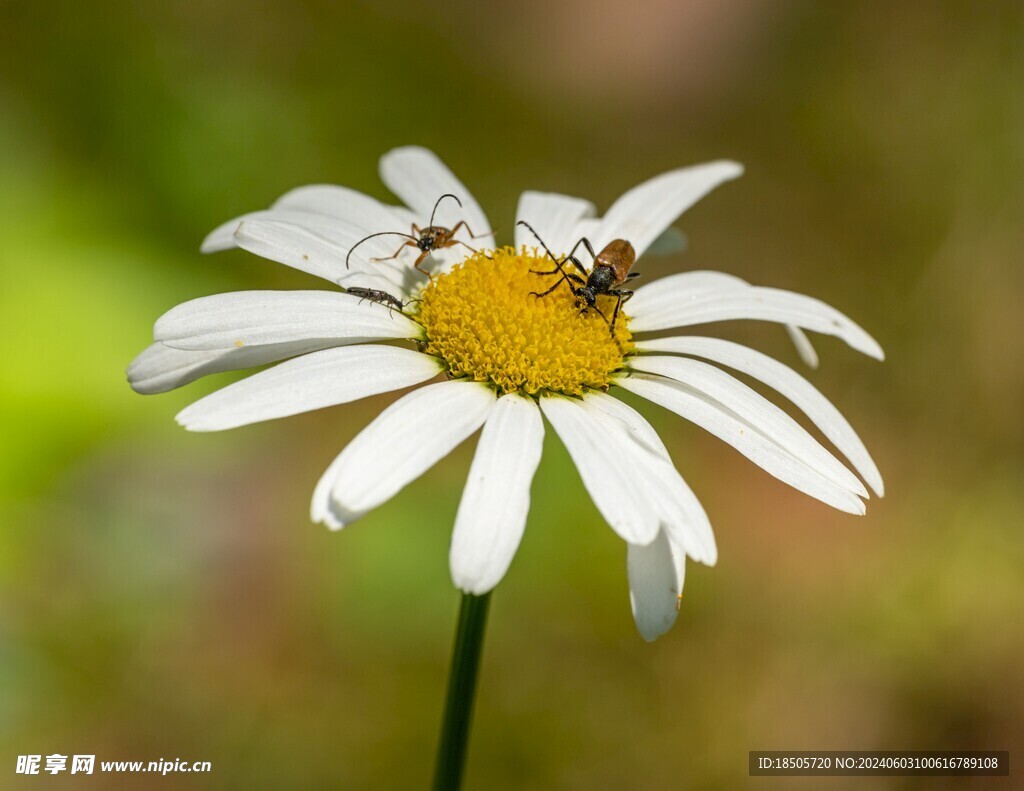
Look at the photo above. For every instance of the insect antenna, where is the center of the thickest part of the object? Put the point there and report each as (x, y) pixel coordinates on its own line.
(371, 236)
(446, 195)
(537, 237)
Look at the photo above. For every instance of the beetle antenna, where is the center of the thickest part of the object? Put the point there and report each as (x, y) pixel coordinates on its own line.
(367, 238)
(537, 237)
(446, 195)
(558, 263)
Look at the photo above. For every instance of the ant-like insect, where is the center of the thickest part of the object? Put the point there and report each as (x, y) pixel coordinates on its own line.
(381, 297)
(426, 240)
(610, 270)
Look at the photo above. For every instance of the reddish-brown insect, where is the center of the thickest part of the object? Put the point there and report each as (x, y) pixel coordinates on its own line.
(426, 240)
(610, 270)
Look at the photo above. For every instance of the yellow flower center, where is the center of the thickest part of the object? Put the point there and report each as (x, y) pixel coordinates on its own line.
(482, 320)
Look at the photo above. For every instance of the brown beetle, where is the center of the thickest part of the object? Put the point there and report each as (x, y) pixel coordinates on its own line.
(610, 270)
(426, 240)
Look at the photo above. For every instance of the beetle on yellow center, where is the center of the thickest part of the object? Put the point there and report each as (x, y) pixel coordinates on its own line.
(610, 270)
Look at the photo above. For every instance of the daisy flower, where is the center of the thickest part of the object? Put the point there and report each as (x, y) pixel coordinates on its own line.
(505, 359)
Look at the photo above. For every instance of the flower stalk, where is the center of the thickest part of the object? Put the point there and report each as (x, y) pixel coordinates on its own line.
(458, 709)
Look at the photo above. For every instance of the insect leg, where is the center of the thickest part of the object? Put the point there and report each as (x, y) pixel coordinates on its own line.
(464, 224)
(597, 310)
(572, 253)
(556, 285)
(454, 242)
(574, 261)
(397, 252)
(371, 236)
(622, 295)
(419, 260)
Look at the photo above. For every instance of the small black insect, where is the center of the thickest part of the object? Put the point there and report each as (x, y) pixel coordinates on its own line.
(375, 295)
(426, 240)
(610, 270)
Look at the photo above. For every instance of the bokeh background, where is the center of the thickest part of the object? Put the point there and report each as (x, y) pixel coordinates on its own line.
(163, 595)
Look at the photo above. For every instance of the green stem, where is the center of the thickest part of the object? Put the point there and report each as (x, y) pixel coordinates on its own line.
(458, 708)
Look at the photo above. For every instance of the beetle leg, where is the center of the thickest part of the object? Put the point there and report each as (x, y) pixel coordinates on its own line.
(557, 268)
(590, 249)
(464, 224)
(623, 295)
(454, 242)
(419, 260)
(596, 309)
(556, 285)
(410, 243)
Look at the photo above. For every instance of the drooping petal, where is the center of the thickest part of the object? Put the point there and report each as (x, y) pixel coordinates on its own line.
(615, 487)
(644, 212)
(553, 217)
(756, 302)
(803, 345)
(684, 518)
(419, 178)
(663, 294)
(313, 381)
(254, 318)
(402, 443)
(496, 500)
(656, 573)
(713, 417)
(160, 368)
(787, 382)
(753, 408)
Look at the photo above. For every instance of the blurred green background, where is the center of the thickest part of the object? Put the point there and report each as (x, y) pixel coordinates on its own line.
(163, 595)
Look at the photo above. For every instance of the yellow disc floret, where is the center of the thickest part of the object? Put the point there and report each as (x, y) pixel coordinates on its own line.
(482, 320)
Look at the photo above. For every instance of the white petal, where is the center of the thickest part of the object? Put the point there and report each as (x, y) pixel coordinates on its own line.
(617, 489)
(160, 368)
(803, 345)
(713, 417)
(331, 229)
(323, 252)
(665, 292)
(656, 573)
(553, 217)
(347, 204)
(380, 281)
(419, 178)
(671, 290)
(683, 516)
(751, 407)
(254, 318)
(670, 242)
(313, 381)
(643, 213)
(322, 200)
(787, 382)
(496, 500)
(402, 443)
(671, 303)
